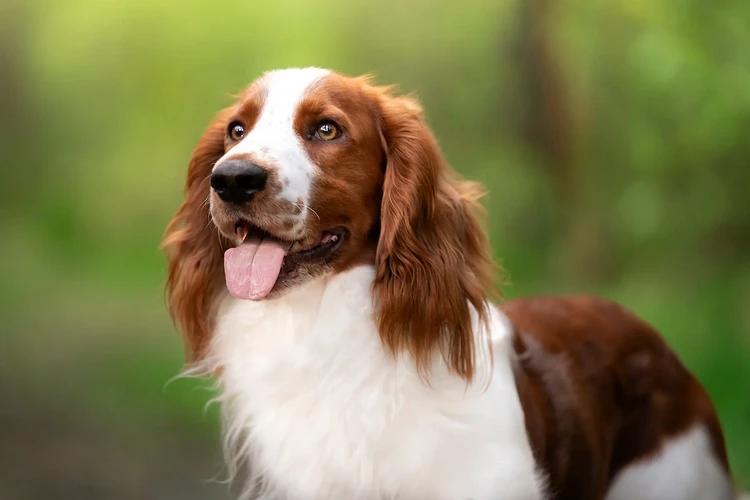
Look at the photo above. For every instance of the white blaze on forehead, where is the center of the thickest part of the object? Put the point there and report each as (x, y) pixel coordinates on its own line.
(273, 141)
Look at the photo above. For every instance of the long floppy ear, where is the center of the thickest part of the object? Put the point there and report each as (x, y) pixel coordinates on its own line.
(193, 246)
(433, 263)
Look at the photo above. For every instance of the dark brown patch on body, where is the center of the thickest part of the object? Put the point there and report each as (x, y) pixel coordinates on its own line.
(600, 390)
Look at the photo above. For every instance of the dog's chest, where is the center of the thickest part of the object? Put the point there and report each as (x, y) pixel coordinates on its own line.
(320, 411)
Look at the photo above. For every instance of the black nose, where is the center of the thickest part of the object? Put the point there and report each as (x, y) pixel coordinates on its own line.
(236, 181)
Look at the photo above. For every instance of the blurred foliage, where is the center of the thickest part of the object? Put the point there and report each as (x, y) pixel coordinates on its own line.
(612, 136)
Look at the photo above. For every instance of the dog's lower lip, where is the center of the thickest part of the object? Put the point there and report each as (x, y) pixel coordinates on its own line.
(330, 236)
(330, 242)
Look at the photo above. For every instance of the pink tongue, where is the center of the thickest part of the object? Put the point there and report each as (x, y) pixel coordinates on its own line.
(252, 268)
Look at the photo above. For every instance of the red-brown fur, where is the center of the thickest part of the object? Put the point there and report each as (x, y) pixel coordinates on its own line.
(599, 387)
(194, 247)
(432, 254)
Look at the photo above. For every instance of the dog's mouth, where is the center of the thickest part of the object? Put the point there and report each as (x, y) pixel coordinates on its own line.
(253, 268)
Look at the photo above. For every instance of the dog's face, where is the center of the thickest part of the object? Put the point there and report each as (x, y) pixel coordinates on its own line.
(298, 188)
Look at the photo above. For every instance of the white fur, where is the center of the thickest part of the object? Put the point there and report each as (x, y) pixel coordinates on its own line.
(685, 468)
(273, 141)
(318, 410)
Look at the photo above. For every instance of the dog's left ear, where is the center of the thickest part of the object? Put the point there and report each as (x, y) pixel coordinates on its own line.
(194, 246)
(433, 264)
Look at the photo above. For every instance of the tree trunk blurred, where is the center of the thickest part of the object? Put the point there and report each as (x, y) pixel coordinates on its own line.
(553, 131)
(15, 104)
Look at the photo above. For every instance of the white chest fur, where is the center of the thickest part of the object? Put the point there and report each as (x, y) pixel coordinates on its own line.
(319, 411)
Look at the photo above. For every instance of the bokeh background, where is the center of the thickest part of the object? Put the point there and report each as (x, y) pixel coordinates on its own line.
(614, 138)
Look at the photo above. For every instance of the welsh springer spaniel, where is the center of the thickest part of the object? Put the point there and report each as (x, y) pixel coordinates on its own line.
(345, 307)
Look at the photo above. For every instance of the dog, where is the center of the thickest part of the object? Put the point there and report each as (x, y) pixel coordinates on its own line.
(331, 270)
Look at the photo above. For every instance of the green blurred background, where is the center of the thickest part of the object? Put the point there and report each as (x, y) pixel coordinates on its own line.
(614, 137)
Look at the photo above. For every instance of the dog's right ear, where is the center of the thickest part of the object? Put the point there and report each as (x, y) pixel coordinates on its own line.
(193, 246)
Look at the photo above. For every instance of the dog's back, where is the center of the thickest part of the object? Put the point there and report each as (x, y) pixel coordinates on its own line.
(612, 412)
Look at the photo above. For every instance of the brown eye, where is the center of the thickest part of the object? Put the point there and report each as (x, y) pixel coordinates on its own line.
(236, 131)
(327, 131)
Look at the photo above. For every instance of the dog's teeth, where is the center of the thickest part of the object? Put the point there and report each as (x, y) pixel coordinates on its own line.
(296, 247)
(242, 234)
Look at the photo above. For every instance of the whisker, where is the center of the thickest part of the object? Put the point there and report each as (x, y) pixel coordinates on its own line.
(208, 223)
(208, 196)
(210, 219)
(313, 211)
(205, 202)
(221, 243)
